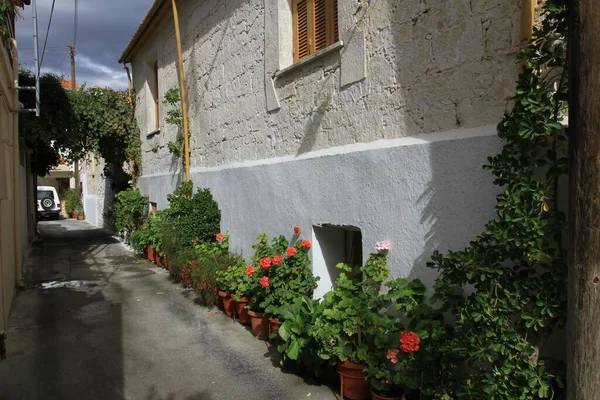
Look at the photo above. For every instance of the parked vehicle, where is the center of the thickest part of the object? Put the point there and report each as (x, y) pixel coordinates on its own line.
(48, 202)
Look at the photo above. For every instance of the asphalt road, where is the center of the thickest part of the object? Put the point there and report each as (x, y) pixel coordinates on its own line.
(96, 323)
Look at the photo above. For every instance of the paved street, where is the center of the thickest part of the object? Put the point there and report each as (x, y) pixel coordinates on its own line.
(96, 323)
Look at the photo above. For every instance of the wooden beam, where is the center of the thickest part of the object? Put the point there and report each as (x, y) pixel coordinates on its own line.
(583, 318)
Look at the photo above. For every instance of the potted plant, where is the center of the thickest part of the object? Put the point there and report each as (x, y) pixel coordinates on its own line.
(257, 287)
(351, 313)
(392, 365)
(228, 283)
(290, 277)
(72, 201)
(79, 212)
(212, 261)
(295, 343)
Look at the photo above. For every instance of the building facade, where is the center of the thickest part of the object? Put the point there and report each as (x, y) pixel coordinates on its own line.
(16, 182)
(357, 120)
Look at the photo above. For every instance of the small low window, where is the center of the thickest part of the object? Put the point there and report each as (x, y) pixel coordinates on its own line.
(333, 245)
(315, 25)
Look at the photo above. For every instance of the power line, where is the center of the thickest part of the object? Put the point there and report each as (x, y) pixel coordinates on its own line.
(47, 33)
(76, 23)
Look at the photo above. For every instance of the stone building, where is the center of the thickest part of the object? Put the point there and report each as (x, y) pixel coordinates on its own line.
(16, 180)
(358, 120)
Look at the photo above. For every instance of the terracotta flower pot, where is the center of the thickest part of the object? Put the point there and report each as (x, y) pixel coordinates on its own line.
(228, 304)
(353, 384)
(273, 327)
(150, 253)
(260, 325)
(80, 217)
(157, 259)
(242, 311)
(73, 215)
(375, 396)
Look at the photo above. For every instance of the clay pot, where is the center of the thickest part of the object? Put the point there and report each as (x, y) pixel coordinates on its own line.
(242, 311)
(80, 217)
(150, 253)
(375, 396)
(352, 381)
(73, 215)
(260, 325)
(228, 304)
(158, 259)
(273, 327)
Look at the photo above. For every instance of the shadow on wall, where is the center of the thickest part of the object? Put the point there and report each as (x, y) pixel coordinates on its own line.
(453, 76)
(197, 21)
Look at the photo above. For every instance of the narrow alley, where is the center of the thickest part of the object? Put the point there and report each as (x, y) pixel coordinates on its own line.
(94, 322)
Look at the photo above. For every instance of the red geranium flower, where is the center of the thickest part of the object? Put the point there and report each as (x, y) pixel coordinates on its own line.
(276, 260)
(297, 230)
(306, 244)
(409, 341)
(291, 251)
(392, 355)
(220, 237)
(250, 270)
(264, 281)
(265, 262)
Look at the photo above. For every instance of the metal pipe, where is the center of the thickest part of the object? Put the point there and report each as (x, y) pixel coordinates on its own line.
(36, 58)
(527, 19)
(186, 148)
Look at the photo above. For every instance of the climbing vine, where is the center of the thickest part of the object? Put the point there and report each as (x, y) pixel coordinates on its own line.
(515, 271)
(104, 118)
(7, 10)
(172, 100)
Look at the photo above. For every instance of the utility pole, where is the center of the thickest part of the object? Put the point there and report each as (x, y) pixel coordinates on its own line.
(36, 58)
(583, 318)
(73, 88)
(73, 79)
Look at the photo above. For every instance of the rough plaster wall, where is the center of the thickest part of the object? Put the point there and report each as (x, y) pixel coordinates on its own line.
(421, 193)
(97, 186)
(433, 65)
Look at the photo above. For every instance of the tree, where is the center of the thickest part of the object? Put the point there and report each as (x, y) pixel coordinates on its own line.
(51, 135)
(584, 203)
(104, 122)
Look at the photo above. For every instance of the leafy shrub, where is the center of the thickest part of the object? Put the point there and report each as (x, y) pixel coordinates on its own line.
(72, 201)
(515, 271)
(212, 259)
(129, 210)
(297, 319)
(193, 218)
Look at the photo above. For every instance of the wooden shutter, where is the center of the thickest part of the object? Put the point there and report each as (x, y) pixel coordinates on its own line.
(315, 25)
(300, 19)
(156, 99)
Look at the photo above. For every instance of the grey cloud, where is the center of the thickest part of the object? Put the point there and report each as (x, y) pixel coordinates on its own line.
(104, 30)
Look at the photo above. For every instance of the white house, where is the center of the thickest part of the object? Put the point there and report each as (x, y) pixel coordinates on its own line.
(358, 120)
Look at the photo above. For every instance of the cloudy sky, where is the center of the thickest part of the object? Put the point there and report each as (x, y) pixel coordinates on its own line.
(104, 29)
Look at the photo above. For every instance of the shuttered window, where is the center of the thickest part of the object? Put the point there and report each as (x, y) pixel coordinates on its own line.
(315, 24)
(156, 99)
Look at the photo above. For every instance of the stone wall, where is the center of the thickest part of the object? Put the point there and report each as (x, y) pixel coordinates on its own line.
(431, 65)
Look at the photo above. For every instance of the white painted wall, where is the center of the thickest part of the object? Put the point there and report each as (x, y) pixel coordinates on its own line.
(422, 193)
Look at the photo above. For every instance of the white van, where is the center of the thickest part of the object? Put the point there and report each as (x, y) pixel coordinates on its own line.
(48, 203)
